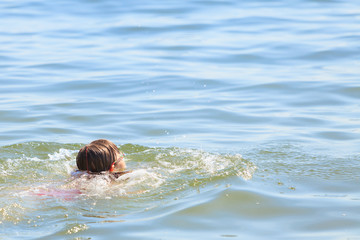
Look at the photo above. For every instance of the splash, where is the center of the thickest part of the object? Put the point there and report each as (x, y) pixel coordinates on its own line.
(164, 170)
(154, 171)
(204, 164)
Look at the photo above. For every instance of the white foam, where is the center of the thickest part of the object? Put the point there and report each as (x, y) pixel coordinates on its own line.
(169, 166)
(193, 159)
(62, 154)
(136, 182)
(204, 164)
(91, 186)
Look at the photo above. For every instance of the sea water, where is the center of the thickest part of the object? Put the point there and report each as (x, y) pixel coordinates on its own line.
(238, 119)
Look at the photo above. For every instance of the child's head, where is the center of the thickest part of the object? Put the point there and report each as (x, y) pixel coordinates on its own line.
(100, 155)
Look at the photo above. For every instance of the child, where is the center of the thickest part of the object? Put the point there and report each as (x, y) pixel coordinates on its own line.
(101, 156)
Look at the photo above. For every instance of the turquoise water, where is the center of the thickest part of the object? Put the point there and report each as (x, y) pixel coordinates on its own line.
(239, 119)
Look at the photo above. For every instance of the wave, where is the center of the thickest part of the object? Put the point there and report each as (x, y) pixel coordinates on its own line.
(42, 170)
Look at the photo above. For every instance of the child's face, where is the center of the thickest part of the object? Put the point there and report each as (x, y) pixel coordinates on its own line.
(120, 163)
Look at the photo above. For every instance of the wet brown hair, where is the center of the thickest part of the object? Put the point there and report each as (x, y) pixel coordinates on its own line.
(98, 156)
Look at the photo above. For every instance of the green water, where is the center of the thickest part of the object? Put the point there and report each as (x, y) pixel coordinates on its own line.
(38, 190)
(177, 190)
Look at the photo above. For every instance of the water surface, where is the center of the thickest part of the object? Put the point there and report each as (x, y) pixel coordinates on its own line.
(240, 119)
